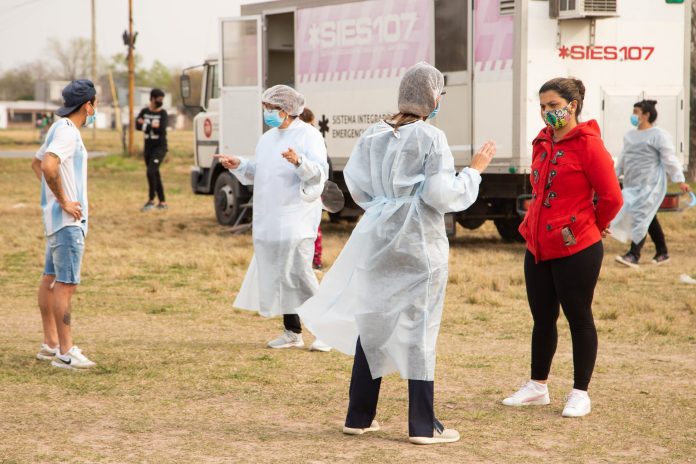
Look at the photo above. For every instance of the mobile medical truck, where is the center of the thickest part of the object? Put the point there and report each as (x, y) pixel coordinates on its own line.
(347, 57)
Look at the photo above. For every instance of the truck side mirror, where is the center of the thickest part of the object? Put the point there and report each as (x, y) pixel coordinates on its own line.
(185, 83)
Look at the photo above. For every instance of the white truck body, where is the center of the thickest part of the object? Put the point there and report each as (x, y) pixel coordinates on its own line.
(347, 57)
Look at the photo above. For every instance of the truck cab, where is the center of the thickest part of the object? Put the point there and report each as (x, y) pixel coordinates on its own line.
(200, 89)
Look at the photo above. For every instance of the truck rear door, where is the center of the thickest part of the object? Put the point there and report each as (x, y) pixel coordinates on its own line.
(241, 122)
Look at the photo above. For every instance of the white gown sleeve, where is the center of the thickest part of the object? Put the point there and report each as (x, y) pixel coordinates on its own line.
(245, 171)
(443, 189)
(673, 167)
(314, 169)
(357, 175)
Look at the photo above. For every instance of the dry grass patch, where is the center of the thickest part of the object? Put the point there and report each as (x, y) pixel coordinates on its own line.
(183, 377)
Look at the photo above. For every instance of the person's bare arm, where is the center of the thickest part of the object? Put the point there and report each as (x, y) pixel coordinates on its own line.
(36, 167)
(50, 168)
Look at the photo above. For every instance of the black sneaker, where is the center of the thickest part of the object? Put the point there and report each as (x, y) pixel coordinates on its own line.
(662, 258)
(629, 259)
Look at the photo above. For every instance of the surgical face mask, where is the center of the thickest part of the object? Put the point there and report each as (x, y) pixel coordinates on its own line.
(558, 118)
(634, 120)
(158, 104)
(272, 118)
(91, 118)
(435, 111)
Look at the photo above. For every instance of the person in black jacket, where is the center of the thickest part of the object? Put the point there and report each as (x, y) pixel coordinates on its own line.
(152, 120)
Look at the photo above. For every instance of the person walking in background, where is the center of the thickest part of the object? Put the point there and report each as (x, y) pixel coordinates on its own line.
(288, 174)
(308, 117)
(153, 121)
(61, 166)
(647, 158)
(382, 299)
(564, 229)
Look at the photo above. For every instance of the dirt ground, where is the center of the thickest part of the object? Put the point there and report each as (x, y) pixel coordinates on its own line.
(184, 378)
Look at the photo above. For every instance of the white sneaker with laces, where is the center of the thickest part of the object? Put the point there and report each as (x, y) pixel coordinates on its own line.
(578, 404)
(73, 359)
(318, 345)
(47, 353)
(289, 339)
(531, 394)
(351, 431)
(444, 436)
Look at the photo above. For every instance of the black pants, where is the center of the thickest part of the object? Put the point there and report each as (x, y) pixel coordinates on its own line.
(153, 158)
(292, 323)
(364, 393)
(570, 283)
(657, 236)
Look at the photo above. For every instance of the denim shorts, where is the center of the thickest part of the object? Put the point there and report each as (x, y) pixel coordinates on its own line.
(64, 250)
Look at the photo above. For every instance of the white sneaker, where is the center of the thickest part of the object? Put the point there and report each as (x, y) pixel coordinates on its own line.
(47, 353)
(289, 339)
(687, 279)
(446, 436)
(351, 431)
(531, 394)
(578, 404)
(319, 346)
(73, 359)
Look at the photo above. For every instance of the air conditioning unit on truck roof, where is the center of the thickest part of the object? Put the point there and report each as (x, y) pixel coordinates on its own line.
(347, 57)
(581, 9)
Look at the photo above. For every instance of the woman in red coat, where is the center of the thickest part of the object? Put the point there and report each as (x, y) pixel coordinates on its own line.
(575, 195)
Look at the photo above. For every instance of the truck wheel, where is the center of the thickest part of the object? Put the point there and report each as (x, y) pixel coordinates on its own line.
(469, 223)
(227, 199)
(507, 228)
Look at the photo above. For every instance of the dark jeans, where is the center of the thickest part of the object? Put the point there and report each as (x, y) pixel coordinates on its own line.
(292, 323)
(153, 159)
(567, 282)
(364, 394)
(657, 236)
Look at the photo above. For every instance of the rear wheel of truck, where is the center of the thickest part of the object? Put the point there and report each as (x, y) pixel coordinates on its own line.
(507, 228)
(227, 199)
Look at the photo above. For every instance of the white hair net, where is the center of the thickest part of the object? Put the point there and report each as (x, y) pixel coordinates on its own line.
(287, 98)
(419, 88)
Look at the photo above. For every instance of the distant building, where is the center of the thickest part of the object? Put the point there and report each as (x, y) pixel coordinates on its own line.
(23, 114)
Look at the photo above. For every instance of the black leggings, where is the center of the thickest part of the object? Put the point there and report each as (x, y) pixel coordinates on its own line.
(657, 236)
(153, 159)
(570, 283)
(292, 323)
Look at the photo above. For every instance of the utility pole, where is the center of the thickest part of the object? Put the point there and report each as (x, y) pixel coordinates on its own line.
(131, 82)
(94, 57)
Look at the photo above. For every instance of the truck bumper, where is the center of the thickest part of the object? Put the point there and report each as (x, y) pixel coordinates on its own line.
(200, 180)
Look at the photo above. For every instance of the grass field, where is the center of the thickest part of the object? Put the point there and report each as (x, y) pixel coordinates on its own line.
(184, 378)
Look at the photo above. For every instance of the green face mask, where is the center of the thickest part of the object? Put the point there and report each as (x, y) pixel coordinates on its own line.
(558, 118)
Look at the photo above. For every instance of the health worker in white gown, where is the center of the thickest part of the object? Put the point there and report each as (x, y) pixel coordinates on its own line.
(647, 158)
(288, 173)
(382, 299)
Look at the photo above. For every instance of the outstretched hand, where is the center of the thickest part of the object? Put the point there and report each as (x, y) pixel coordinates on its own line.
(483, 157)
(228, 162)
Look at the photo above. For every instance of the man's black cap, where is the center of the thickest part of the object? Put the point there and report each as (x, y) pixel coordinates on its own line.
(76, 94)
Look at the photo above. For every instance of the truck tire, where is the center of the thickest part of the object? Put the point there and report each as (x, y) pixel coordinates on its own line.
(469, 223)
(227, 199)
(507, 228)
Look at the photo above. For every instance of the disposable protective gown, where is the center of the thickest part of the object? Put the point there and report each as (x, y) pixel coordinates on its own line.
(388, 284)
(286, 216)
(646, 159)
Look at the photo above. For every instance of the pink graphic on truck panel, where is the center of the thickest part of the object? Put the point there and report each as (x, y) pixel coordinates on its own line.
(365, 40)
(493, 36)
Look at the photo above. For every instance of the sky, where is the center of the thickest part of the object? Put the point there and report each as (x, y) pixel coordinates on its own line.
(179, 33)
